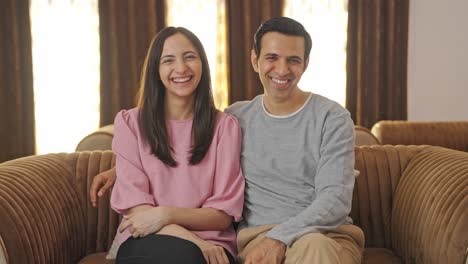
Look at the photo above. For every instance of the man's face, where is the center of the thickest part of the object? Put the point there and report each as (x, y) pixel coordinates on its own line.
(280, 65)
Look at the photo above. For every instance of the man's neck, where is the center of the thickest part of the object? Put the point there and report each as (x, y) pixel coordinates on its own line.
(285, 107)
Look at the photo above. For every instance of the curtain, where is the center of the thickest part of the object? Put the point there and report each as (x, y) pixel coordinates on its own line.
(16, 81)
(126, 30)
(243, 19)
(377, 60)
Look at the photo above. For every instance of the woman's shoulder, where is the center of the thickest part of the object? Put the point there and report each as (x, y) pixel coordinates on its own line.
(226, 119)
(128, 118)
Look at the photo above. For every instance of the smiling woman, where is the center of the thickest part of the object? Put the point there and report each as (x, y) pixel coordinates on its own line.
(65, 45)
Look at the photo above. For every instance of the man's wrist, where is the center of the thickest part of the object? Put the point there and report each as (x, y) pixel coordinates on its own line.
(276, 243)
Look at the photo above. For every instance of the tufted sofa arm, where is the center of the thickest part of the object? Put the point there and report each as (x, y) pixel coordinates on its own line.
(412, 203)
(430, 215)
(45, 213)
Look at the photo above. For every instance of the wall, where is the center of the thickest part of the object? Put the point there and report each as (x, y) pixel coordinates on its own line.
(438, 60)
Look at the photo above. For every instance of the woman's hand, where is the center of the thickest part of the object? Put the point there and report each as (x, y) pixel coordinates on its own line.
(213, 254)
(145, 220)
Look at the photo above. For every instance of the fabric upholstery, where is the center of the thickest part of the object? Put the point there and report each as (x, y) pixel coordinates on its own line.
(3, 252)
(98, 140)
(430, 216)
(96, 258)
(364, 136)
(448, 134)
(410, 201)
(380, 256)
(46, 213)
(380, 170)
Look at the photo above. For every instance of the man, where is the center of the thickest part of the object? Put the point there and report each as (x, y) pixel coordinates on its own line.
(297, 159)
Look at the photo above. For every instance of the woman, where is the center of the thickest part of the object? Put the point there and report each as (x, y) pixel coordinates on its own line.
(179, 184)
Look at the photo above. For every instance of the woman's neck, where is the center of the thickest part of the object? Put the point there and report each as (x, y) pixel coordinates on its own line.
(178, 109)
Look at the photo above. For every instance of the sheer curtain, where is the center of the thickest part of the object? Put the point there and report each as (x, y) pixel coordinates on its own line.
(326, 21)
(65, 47)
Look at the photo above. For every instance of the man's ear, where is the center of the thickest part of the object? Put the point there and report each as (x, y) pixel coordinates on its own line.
(254, 60)
(306, 64)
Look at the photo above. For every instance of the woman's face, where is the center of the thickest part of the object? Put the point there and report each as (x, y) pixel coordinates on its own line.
(180, 67)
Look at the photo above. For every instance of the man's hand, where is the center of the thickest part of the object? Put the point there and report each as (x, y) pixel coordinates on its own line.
(145, 221)
(101, 183)
(267, 251)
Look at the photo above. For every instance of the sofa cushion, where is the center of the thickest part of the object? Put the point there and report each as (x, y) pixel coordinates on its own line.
(380, 255)
(96, 258)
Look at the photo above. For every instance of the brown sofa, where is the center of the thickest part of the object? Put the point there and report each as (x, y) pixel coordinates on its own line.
(411, 202)
(364, 136)
(448, 134)
(98, 140)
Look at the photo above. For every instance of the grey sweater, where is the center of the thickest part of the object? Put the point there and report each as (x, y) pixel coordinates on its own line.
(298, 168)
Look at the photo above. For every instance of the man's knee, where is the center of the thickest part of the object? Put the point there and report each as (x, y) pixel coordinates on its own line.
(317, 242)
(313, 248)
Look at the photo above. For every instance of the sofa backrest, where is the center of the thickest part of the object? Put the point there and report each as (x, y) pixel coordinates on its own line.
(98, 140)
(46, 216)
(448, 134)
(364, 136)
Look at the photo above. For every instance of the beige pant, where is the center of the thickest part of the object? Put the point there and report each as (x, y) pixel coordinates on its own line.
(343, 245)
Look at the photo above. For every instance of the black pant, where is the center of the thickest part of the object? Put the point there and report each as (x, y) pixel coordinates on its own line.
(161, 249)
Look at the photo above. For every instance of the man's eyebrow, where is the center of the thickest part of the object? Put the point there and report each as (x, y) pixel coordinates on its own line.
(295, 58)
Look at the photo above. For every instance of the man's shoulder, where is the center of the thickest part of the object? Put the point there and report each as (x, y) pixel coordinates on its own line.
(327, 105)
(242, 107)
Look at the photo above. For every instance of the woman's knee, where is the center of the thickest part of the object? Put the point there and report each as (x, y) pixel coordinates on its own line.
(159, 249)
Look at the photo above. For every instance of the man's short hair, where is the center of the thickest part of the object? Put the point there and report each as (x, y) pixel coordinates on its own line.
(284, 25)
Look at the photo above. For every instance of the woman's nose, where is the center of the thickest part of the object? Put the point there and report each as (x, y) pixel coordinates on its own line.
(180, 66)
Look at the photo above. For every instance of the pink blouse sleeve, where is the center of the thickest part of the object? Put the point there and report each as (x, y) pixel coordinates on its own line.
(228, 187)
(132, 186)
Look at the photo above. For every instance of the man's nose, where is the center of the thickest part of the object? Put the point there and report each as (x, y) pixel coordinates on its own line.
(282, 67)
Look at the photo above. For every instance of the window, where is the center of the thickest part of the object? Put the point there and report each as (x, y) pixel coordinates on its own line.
(326, 21)
(206, 18)
(65, 45)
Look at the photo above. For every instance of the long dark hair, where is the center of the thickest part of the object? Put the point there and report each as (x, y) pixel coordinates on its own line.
(151, 102)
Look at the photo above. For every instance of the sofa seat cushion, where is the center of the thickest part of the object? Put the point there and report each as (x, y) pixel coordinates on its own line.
(97, 258)
(380, 256)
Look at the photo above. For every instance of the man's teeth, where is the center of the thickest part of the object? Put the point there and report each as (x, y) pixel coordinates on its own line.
(278, 81)
(181, 80)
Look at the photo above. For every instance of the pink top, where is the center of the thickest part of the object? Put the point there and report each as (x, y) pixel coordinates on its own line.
(216, 182)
